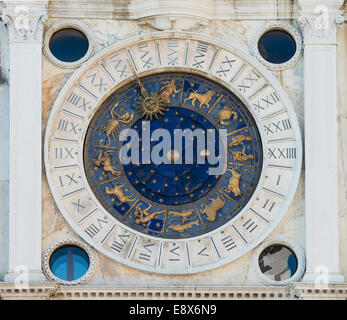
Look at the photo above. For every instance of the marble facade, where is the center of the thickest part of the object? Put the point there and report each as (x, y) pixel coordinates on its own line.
(323, 176)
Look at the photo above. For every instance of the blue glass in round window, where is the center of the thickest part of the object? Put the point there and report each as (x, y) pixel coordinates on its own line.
(278, 263)
(277, 46)
(68, 45)
(69, 263)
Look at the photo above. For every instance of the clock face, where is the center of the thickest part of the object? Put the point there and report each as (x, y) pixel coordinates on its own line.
(172, 153)
(168, 199)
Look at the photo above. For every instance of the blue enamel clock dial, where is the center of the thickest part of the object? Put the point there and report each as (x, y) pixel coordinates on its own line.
(173, 184)
(176, 199)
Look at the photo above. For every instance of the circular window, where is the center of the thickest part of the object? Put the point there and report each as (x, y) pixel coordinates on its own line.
(277, 45)
(68, 45)
(68, 261)
(278, 261)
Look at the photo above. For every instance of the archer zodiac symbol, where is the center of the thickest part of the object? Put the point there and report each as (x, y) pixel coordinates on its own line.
(211, 209)
(111, 127)
(106, 163)
(234, 183)
(119, 193)
(168, 90)
(143, 215)
(225, 114)
(240, 155)
(203, 98)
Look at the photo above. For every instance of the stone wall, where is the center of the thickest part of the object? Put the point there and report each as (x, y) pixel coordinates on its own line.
(108, 32)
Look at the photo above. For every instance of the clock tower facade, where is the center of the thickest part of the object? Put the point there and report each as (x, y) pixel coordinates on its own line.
(173, 151)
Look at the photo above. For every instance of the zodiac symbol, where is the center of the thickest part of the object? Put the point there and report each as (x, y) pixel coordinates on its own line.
(240, 155)
(118, 193)
(211, 209)
(184, 215)
(105, 161)
(111, 127)
(225, 114)
(204, 99)
(234, 183)
(143, 215)
(168, 90)
(182, 227)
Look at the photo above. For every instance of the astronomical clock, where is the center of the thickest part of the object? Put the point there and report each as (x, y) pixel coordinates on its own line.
(174, 217)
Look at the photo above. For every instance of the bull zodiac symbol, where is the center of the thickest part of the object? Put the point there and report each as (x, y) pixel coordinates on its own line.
(111, 127)
(105, 161)
(203, 98)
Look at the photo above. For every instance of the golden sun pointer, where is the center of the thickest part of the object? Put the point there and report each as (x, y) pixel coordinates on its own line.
(151, 106)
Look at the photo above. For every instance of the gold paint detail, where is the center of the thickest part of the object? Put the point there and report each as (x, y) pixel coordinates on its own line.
(240, 155)
(225, 114)
(184, 215)
(168, 90)
(111, 127)
(183, 227)
(234, 183)
(143, 215)
(104, 160)
(203, 98)
(211, 209)
(118, 193)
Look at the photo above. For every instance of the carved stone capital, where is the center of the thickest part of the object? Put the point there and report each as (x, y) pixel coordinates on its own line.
(25, 20)
(319, 23)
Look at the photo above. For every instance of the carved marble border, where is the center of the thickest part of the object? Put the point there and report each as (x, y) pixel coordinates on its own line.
(299, 253)
(63, 242)
(75, 24)
(277, 26)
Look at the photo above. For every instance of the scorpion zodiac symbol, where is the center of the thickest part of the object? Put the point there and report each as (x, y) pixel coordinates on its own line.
(111, 127)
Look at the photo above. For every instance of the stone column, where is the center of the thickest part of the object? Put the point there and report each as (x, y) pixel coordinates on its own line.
(24, 20)
(319, 20)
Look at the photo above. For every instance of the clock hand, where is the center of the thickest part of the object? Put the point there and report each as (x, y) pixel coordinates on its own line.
(143, 90)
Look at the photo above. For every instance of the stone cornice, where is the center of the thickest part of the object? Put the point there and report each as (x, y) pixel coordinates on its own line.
(204, 9)
(24, 20)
